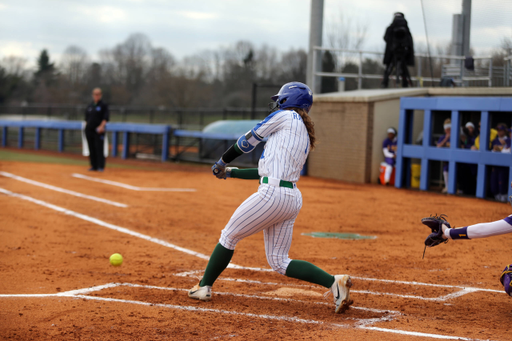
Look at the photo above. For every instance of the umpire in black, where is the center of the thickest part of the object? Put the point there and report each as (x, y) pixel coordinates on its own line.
(96, 118)
(399, 50)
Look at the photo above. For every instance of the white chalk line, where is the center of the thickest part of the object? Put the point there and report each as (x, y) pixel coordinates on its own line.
(463, 291)
(62, 190)
(361, 324)
(130, 187)
(433, 299)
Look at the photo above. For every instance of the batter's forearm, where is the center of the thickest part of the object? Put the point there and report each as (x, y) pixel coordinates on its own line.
(247, 174)
(232, 153)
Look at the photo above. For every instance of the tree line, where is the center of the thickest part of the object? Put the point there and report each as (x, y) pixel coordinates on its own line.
(135, 72)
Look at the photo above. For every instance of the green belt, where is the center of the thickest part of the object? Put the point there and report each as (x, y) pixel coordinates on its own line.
(282, 183)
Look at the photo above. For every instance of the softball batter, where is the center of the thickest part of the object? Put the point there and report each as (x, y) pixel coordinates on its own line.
(275, 206)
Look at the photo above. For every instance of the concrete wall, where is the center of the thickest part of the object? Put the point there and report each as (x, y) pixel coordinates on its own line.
(343, 132)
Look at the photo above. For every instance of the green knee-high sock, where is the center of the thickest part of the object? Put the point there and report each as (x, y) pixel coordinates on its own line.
(308, 272)
(219, 260)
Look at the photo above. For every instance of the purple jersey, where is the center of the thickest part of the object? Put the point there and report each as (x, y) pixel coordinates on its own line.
(389, 150)
(447, 144)
(504, 142)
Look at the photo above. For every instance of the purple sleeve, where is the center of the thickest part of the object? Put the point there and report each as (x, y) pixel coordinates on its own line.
(441, 139)
(385, 143)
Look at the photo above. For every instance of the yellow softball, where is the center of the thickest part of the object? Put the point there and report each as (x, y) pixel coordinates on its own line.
(116, 259)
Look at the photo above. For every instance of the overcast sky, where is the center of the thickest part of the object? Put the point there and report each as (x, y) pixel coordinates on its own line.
(187, 27)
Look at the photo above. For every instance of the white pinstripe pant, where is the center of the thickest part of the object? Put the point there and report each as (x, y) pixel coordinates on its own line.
(272, 210)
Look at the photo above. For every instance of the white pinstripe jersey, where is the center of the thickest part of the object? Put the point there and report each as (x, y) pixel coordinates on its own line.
(287, 147)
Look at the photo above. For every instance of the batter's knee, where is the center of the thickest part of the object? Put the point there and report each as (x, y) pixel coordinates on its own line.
(278, 263)
(227, 241)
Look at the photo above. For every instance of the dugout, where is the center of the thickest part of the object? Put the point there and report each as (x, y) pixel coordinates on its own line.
(214, 148)
(350, 127)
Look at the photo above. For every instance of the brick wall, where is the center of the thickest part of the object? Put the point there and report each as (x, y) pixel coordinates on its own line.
(344, 132)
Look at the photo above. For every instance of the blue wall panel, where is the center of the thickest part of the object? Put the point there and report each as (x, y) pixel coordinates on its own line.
(452, 155)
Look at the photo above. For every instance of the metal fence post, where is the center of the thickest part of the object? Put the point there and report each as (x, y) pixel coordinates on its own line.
(420, 82)
(61, 140)
(360, 74)
(490, 72)
(165, 145)
(37, 142)
(20, 137)
(115, 142)
(462, 72)
(313, 78)
(4, 136)
(126, 145)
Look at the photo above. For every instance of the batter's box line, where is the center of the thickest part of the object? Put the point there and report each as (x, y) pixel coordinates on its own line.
(361, 324)
(443, 298)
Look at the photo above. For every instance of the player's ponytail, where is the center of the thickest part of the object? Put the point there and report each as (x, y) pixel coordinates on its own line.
(310, 126)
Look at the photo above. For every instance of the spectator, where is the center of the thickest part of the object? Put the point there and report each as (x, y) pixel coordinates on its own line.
(389, 150)
(470, 132)
(444, 142)
(96, 118)
(499, 174)
(506, 148)
(492, 136)
(399, 50)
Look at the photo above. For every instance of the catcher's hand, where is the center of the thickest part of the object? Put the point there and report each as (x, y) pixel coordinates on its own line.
(219, 169)
(436, 225)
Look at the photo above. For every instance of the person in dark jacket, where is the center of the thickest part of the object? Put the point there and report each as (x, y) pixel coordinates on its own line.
(399, 50)
(96, 118)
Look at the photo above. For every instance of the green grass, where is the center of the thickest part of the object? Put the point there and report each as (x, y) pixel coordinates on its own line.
(6, 155)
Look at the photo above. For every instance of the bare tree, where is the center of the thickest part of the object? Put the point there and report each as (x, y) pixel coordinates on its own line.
(74, 64)
(343, 32)
(15, 66)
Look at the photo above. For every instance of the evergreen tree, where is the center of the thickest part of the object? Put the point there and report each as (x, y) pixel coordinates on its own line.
(44, 67)
(328, 65)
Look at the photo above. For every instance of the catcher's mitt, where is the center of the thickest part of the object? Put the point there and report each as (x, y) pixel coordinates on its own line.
(436, 225)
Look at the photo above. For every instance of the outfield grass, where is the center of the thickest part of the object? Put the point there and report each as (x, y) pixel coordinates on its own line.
(7, 155)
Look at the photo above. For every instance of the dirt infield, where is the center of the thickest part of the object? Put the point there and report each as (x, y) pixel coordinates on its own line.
(56, 281)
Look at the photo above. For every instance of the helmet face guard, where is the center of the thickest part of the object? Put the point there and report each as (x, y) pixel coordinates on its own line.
(292, 95)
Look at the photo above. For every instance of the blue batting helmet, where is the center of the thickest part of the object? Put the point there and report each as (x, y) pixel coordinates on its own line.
(296, 94)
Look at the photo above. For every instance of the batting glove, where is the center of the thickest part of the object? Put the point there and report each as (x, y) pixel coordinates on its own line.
(219, 169)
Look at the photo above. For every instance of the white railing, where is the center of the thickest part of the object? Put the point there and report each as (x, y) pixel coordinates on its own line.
(507, 73)
(454, 69)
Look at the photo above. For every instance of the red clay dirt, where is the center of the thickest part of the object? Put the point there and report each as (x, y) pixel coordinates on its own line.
(43, 251)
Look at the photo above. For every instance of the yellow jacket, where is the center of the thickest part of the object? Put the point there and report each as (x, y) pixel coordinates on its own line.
(494, 133)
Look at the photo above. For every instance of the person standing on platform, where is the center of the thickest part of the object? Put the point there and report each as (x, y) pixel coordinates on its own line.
(399, 50)
(96, 118)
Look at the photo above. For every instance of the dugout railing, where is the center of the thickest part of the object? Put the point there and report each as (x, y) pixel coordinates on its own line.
(454, 155)
(173, 144)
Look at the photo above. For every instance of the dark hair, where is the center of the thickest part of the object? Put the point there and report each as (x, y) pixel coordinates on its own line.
(310, 126)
